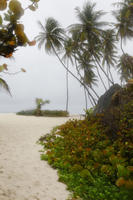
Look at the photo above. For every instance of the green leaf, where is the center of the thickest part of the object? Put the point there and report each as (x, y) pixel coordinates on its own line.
(6, 17)
(1, 68)
(33, 8)
(4, 85)
(122, 171)
(1, 20)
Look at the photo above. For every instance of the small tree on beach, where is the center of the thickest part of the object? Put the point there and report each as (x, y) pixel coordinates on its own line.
(39, 103)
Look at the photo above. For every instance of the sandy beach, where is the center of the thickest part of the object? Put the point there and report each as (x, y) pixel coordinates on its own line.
(23, 176)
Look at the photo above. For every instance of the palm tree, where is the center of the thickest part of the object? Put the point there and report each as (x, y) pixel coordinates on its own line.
(89, 77)
(72, 45)
(124, 25)
(39, 103)
(109, 50)
(68, 50)
(125, 67)
(85, 87)
(124, 17)
(90, 31)
(52, 37)
(89, 28)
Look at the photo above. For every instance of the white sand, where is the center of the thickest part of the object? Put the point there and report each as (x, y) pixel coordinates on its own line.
(23, 176)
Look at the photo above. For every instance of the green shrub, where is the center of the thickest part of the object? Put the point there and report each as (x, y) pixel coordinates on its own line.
(89, 113)
(55, 113)
(26, 112)
(45, 113)
(89, 162)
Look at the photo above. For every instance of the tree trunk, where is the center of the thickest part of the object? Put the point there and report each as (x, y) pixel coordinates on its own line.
(82, 79)
(103, 70)
(108, 75)
(111, 75)
(122, 46)
(101, 78)
(72, 73)
(67, 91)
(85, 98)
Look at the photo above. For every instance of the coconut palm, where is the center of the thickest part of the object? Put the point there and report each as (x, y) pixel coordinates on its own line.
(89, 28)
(109, 50)
(83, 61)
(85, 87)
(125, 67)
(52, 37)
(68, 50)
(124, 25)
(90, 32)
(90, 78)
(124, 17)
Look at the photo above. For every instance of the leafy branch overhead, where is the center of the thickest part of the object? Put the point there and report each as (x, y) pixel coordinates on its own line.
(12, 33)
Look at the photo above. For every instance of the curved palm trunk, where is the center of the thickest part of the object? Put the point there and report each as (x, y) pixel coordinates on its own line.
(84, 86)
(101, 78)
(108, 75)
(83, 83)
(81, 76)
(85, 99)
(111, 75)
(67, 93)
(72, 73)
(90, 87)
(122, 46)
(91, 101)
(103, 70)
(94, 92)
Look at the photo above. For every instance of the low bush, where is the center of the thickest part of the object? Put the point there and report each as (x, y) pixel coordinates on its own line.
(45, 113)
(55, 113)
(91, 164)
(26, 112)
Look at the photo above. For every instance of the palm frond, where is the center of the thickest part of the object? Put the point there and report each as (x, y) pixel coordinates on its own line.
(109, 47)
(41, 26)
(52, 35)
(124, 18)
(4, 85)
(125, 67)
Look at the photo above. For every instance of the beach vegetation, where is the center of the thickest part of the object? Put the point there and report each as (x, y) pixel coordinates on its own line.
(39, 103)
(45, 113)
(94, 157)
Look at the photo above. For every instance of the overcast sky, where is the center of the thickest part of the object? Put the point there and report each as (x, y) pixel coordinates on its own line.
(45, 77)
